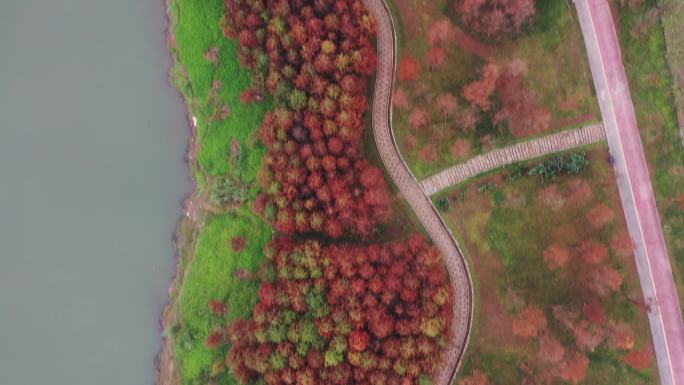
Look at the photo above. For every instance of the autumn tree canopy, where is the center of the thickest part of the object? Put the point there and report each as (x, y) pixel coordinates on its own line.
(315, 58)
(495, 19)
(479, 92)
(345, 314)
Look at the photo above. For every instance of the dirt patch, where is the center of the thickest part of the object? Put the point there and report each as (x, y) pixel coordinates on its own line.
(473, 45)
(574, 121)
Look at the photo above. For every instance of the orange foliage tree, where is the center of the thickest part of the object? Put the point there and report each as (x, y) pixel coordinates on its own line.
(550, 349)
(460, 148)
(622, 244)
(418, 118)
(436, 57)
(441, 31)
(478, 93)
(575, 368)
(400, 98)
(409, 69)
(556, 256)
(593, 252)
(600, 215)
(638, 359)
(529, 322)
(520, 108)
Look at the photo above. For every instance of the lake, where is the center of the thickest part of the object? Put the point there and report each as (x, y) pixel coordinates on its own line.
(92, 140)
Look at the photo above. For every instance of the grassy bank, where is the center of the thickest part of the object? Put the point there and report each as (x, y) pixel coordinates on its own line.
(207, 73)
(212, 276)
(196, 27)
(644, 53)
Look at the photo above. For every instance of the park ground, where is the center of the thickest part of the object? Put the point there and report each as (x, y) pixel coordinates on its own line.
(497, 234)
(558, 297)
(649, 35)
(545, 66)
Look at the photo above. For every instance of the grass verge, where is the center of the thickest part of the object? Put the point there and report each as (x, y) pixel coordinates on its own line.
(644, 53)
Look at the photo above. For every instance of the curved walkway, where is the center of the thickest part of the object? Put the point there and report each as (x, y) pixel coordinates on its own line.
(535, 148)
(415, 195)
(634, 183)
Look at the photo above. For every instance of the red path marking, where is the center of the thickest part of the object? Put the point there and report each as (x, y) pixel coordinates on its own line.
(655, 273)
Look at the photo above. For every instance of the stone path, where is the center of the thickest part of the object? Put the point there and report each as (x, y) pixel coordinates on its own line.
(492, 160)
(634, 183)
(415, 195)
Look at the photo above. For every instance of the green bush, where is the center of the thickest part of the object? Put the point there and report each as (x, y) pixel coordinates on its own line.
(228, 191)
(551, 168)
(486, 188)
(443, 203)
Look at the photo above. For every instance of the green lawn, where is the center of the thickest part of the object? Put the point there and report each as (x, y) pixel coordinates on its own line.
(210, 276)
(197, 29)
(650, 83)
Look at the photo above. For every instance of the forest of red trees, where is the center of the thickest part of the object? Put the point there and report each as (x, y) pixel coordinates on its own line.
(334, 313)
(315, 58)
(344, 314)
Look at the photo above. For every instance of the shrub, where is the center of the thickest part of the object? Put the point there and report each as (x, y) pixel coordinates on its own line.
(571, 164)
(228, 191)
(443, 203)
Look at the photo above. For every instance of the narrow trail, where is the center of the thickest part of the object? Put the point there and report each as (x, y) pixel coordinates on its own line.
(634, 183)
(416, 196)
(518, 152)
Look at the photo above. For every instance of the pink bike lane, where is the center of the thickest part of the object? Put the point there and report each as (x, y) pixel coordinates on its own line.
(636, 192)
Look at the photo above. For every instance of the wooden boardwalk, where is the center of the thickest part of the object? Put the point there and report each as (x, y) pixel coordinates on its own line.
(518, 152)
(462, 304)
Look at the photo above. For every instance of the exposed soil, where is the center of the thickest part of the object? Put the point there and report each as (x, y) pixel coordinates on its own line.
(473, 45)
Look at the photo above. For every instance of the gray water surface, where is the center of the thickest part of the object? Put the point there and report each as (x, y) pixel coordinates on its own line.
(92, 139)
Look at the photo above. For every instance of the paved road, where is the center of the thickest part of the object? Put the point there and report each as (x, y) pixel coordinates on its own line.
(634, 183)
(415, 195)
(518, 152)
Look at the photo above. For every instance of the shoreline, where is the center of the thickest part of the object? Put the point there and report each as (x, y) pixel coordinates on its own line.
(165, 370)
